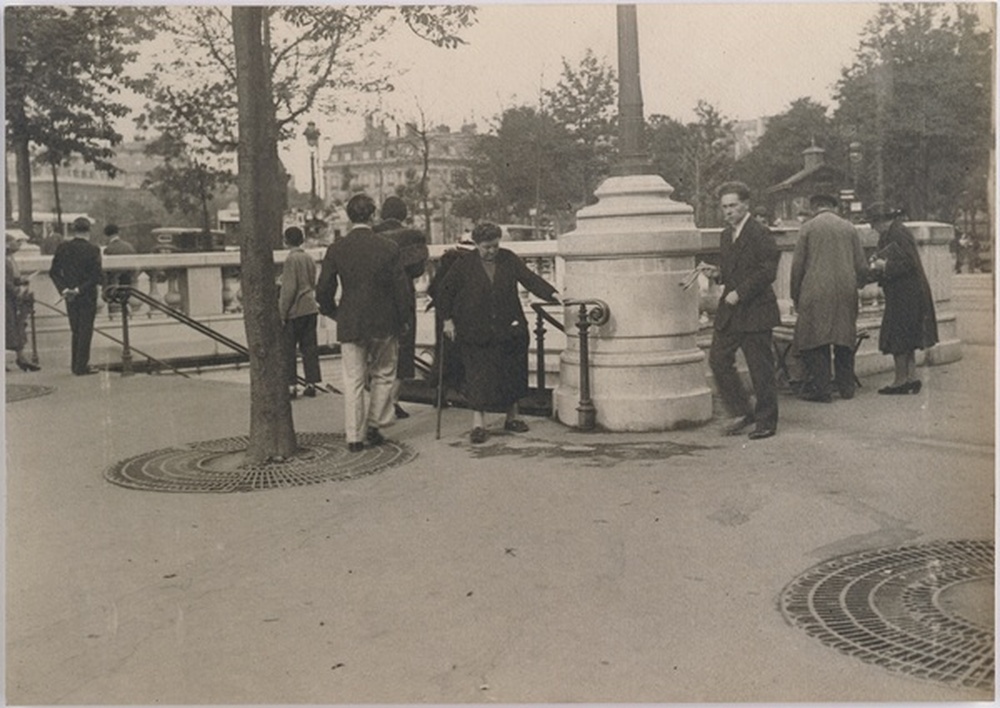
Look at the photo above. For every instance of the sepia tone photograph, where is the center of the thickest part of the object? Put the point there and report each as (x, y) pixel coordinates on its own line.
(504, 353)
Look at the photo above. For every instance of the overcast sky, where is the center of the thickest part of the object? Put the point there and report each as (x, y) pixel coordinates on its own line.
(748, 60)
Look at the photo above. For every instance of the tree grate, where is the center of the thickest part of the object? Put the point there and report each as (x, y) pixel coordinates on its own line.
(212, 466)
(926, 611)
(22, 392)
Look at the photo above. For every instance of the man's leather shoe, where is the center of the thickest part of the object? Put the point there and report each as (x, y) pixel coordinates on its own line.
(309, 391)
(355, 447)
(87, 372)
(817, 397)
(374, 437)
(400, 413)
(761, 433)
(738, 427)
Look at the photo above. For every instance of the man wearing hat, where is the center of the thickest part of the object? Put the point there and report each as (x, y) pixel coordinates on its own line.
(828, 267)
(76, 272)
(413, 255)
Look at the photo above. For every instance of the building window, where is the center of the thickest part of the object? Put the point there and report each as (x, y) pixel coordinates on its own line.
(378, 154)
(366, 155)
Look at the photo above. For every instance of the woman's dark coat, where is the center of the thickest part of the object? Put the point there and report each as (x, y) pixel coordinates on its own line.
(490, 325)
(909, 321)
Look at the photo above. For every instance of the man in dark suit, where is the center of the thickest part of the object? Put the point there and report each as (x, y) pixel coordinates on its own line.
(413, 255)
(748, 310)
(374, 309)
(76, 272)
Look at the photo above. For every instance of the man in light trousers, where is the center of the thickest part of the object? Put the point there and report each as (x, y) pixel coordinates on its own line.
(372, 312)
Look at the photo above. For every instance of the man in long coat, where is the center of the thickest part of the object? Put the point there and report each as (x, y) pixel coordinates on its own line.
(827, 269)
(413, 255)
(374, 309)
(748, 311)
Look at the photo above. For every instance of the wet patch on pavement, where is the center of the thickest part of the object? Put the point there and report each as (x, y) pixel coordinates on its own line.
(586, 454)
(922, 610)
(22, 392)
(218, 465)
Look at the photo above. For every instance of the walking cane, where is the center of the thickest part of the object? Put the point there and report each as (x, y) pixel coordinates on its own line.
(440, 386)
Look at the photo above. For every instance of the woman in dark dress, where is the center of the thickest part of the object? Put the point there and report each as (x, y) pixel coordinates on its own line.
(909, 322)
(18, 304)
(479, 303)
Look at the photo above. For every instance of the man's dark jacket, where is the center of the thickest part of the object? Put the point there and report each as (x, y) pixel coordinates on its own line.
(749, 267)
(375, 300)
(413, 257)
(77, 264)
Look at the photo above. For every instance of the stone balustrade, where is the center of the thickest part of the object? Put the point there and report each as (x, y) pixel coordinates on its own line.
(206, 286)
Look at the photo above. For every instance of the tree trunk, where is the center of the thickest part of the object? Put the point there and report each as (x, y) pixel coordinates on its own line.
(272, 434)
(22, 164)
(58, 201)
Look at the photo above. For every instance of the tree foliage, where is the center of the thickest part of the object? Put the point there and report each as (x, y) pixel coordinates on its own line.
(778, 153)
(583, 102)
(528, 162)
(317, 57)
(918, 98)
(694, 158)
(182, 182)
(548, 159)
(65, 71)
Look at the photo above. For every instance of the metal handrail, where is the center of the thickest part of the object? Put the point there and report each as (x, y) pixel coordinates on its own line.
(104, 334)
(122, 293)
(591, 312)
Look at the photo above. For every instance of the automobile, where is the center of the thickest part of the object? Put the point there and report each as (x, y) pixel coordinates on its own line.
(186, 240)
(526, 232)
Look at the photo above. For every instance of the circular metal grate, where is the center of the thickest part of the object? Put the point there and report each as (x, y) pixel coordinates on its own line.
(926, 610)
(22, 392)
(216, 465)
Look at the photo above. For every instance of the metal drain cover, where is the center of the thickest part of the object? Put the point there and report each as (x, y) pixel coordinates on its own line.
(216, 465)
(22, 392)
(926, 610)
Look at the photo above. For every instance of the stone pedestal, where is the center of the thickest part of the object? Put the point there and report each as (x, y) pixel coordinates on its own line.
(632, 250)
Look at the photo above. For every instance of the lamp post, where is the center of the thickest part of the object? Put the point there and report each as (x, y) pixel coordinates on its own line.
(311, 134)
(854, 155)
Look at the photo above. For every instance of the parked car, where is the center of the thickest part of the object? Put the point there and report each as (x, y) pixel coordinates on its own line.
(186, 240)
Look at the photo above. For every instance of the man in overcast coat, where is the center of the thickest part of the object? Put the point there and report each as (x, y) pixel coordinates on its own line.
(827, 269)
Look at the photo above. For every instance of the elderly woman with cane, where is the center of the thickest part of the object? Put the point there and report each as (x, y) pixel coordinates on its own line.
(479, 304)
(909, 322)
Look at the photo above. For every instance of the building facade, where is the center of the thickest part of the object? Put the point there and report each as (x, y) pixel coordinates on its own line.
(385, 163)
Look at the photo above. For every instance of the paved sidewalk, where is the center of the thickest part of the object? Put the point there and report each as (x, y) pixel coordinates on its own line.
(554, 566)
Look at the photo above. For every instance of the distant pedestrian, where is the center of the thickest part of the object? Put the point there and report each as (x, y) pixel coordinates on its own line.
(747, 312)
(117, 246)
(479, 303)
(909, 321)
(413, 255)
(76, 273)
(828, 267)
(299, 313)
(18, 304)
(374, 309)
(762, 216)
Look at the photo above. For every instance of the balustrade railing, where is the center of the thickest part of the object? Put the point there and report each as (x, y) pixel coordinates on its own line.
(206, 286)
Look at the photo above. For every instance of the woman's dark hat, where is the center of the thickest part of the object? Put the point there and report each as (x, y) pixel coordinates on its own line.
(880, 211)
(823, 200)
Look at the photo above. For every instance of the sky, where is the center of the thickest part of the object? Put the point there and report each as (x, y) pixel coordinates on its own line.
(748, 60)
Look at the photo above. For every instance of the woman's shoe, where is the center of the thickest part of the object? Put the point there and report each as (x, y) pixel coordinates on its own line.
(29, 366)
(478, 436)
(310, 391)
(914, 386)
(515, 426)
(895, 390)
